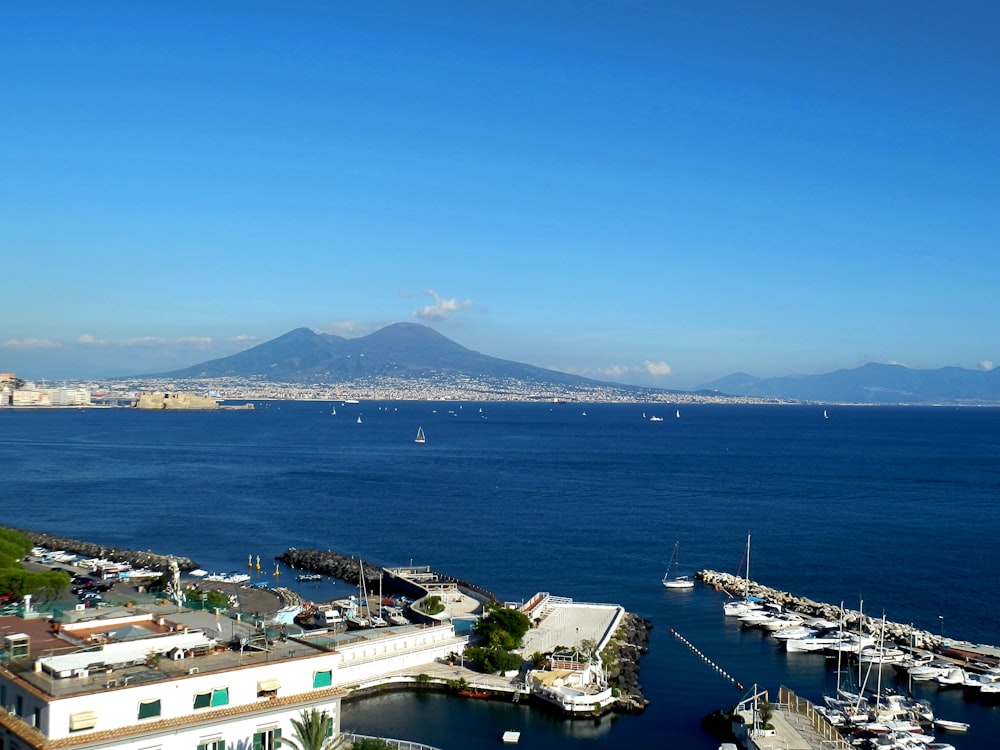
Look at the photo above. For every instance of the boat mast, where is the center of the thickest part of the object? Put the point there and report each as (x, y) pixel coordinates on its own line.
(746, 589)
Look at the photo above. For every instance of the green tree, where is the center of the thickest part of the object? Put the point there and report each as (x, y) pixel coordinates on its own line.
(503, 627)
(312, 731)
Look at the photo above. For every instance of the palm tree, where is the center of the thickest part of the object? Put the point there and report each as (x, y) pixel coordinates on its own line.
(311, 731)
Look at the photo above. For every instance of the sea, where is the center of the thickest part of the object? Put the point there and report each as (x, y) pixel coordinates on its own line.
(893, 509)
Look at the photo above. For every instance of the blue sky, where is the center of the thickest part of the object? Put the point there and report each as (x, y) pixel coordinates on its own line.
(657, 193)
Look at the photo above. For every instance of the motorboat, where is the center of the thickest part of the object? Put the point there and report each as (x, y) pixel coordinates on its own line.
(923, 672)
(781, 622)
(813, 643)
(793, 633)
(880, 655)
(951, 726)
(954, 676)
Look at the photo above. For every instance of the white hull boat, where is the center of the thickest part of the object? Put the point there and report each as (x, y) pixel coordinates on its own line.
(951, 726)
(675, 581)
(954, 676)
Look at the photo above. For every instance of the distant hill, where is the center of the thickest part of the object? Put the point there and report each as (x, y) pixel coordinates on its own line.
(400, 350)
(872, 384)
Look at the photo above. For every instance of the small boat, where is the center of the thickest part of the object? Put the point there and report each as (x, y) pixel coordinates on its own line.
(654, 418)
(951, 726)
(420, 436)
(676, 582)
(308, 577)
(678, 414)
(825, 415)
(474, 693)
(359, 420)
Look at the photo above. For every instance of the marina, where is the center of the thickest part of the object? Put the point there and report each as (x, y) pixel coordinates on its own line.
(87, 658)
(512, 502)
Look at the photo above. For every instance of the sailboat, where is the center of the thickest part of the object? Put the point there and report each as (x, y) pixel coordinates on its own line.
(678, 414)
(333, 411)
(676, 582)
(359, 420)
(825, 415)
(739, 607)
(420, 436)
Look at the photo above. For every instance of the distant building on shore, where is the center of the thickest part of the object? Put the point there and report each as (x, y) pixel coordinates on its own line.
(169, 400)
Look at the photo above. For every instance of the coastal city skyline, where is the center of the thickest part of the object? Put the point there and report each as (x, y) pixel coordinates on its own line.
(656, 195)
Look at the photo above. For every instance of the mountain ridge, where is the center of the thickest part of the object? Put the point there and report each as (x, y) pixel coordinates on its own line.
(871, 383)
(416, 353)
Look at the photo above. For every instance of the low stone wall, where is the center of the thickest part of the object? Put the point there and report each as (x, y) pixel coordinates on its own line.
(138, 559)
(898, 633)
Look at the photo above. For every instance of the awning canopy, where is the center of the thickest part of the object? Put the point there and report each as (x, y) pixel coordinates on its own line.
(82, 720)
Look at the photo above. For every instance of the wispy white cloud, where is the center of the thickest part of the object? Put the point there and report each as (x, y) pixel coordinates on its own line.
(348, 328)
(32, 344)
(656, 369)
(986, 365)
(612, 372)
(648, 369)
(442, 307)
(87, 340)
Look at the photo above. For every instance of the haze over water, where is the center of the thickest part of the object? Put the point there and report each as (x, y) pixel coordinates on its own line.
(895, 506)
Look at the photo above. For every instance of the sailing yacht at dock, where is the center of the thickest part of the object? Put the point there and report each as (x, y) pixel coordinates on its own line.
(740, 607)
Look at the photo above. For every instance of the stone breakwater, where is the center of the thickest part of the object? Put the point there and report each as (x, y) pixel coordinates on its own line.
(348, 568)
(904, 635)
(136, 558)
(621, 656)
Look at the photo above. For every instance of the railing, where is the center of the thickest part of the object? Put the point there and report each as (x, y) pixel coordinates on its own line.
(804, 709)
(399, 744)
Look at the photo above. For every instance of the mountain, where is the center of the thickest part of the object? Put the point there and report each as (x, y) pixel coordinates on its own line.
(400, 350)
(872, 384)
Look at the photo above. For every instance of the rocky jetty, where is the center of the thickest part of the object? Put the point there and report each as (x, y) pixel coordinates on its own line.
(345, 567)
(621, 658)
(136, 558)
(901, 634)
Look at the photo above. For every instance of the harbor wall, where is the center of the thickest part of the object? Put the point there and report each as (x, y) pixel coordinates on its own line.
(347, 568)
(136, 558)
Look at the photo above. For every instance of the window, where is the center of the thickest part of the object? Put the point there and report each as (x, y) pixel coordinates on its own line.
(268, 739)
(216, 697)
(82, 720)
(149, 709)
(322, 679)
(212, 745)
(329, 726)
(268, 688)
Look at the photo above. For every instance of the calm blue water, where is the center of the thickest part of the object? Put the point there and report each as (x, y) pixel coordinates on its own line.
(895, 506)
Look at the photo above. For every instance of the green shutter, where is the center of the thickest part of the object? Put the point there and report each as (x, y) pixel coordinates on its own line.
(202, 700)
(149, 709)
(277, 737)
(322, 679)
(220, 697)
(329, 727)
(258, 741)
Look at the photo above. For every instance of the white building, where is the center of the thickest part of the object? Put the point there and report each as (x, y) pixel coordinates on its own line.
(143, 683)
